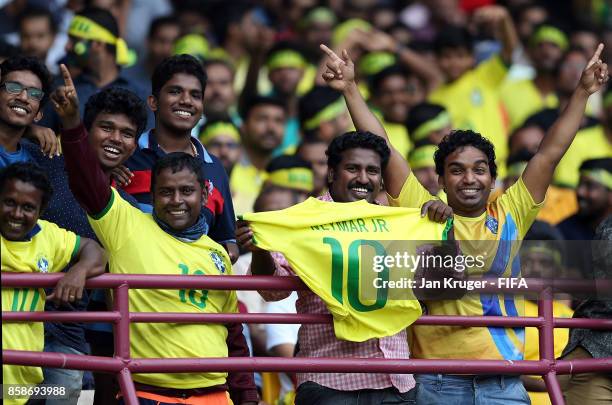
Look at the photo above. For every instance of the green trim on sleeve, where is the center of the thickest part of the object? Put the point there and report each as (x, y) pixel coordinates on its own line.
(106, 209)
(77, 246)
(447, 228)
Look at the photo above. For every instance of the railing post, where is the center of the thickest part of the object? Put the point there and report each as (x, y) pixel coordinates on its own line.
(126, 385)
(121, 304)
(547, 345)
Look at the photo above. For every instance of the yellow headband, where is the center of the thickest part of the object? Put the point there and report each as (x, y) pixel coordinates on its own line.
(551, 34)
(328, 113)
(422, 157)
(516, 169)
(437, 123)
(601, 176)
(83, 27)
(298, 178)
(374, 62)
(286, 58)
(219, 128)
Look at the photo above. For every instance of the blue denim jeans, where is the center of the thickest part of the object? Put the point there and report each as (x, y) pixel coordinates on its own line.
(310, 393)
(71, 379)
(434, 389)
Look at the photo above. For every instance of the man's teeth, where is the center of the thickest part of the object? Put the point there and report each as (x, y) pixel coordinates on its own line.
(111, 150)
(20, 110)
(14, 225)
(183, 113)
(178, 212)
(469, 190)
(360, 189)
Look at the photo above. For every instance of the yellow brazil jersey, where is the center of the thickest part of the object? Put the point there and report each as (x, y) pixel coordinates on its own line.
(245, 184)
(137, 245)
(522, 99)
(49, 250)
(590, 143)
(473, 103)
(336, 249)
(532, 348)
(494, 235)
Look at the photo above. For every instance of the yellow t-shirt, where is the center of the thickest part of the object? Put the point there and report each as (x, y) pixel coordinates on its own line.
(522, 99)
(48, 251)
(590, 143)
(495, 235)
(532, 348)
(137, 245)
(473, 103)
(331, 247)
(245, 184)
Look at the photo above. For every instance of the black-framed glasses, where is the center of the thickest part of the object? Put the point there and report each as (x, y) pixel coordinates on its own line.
(16, 88)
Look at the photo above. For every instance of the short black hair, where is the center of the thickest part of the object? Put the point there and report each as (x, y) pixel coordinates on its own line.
(104, 18)
(357, 140)
(36, 12)
(177, 161)
(159, 22)
(376, 80)
(226, 16)
(256, 101)
(453, 37)
(116, 100)
(30, 64)
(458, 139)
(177, 64)
(28, 173)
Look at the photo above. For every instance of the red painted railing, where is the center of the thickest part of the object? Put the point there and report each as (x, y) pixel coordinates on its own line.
(123, 365)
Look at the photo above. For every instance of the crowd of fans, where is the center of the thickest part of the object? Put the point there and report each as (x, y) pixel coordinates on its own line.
(133, 134)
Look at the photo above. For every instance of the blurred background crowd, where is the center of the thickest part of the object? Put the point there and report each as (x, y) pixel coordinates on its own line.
(501, 68)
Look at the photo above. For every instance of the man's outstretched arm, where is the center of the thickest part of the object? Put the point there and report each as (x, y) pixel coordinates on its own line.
(87, 181)
(340, 76)
(540, 169)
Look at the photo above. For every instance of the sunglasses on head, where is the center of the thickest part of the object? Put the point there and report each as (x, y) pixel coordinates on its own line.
(16, 88)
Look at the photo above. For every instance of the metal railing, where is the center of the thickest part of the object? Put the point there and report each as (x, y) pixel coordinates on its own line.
(124, 365)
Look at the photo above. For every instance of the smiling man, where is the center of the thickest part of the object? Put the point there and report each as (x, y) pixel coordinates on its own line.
(24, 89)
(171, 240)
(31, 245)
(178, 85)
(113, 119)
(465, 163)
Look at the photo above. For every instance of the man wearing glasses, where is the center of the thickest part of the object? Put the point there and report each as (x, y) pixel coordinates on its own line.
(24, 88)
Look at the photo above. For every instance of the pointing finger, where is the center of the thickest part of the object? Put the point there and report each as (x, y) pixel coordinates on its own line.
(596, 56)
(66, 75)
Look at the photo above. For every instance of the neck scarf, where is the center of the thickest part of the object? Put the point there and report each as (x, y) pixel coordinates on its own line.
(190, 234)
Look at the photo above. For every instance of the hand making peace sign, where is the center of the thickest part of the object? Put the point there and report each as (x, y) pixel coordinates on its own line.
(66, 102)
(340, 72)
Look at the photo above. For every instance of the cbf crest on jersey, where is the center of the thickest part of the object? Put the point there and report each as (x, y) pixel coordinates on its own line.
(491, 223)
(42, 263)
(218, 261)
